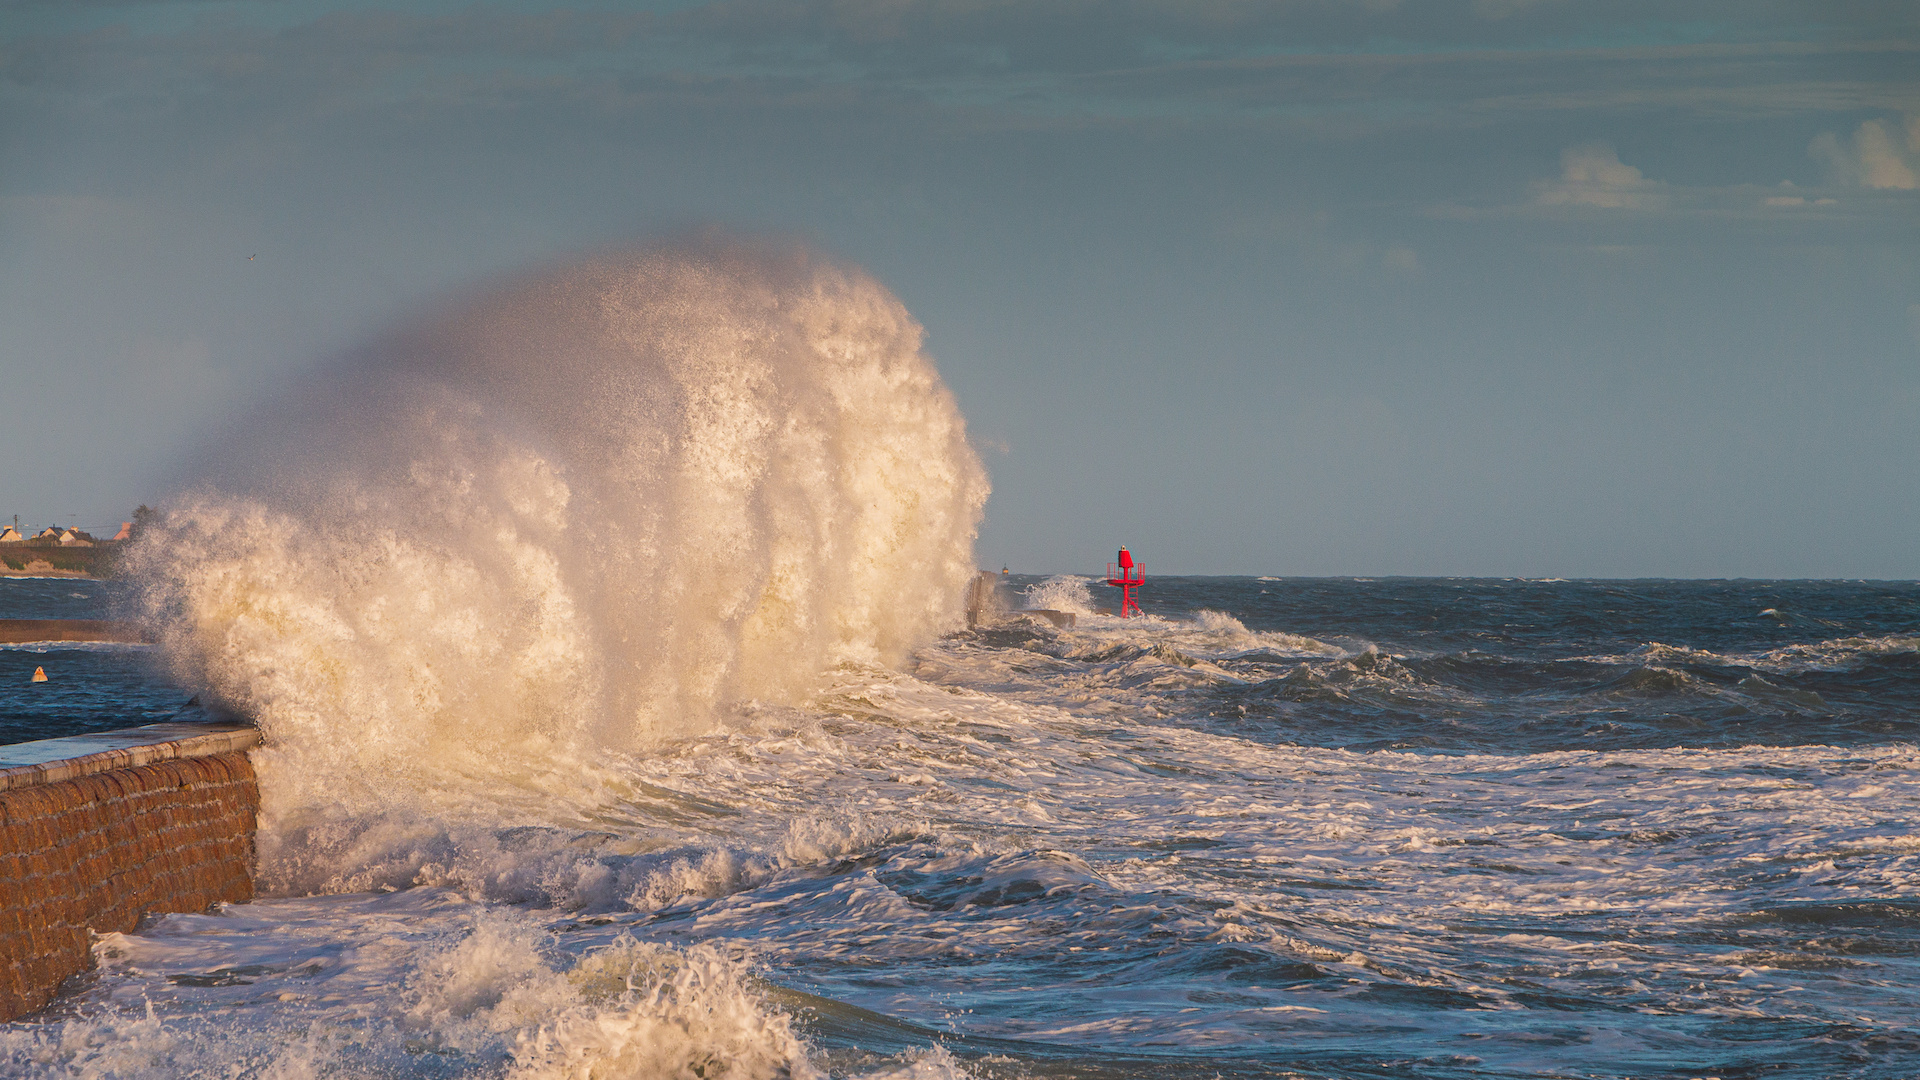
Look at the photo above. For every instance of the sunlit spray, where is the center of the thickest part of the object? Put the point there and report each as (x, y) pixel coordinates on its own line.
(589, 509)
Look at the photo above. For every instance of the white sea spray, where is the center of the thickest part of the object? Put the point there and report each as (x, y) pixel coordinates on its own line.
(1062, 592)
(561, 521)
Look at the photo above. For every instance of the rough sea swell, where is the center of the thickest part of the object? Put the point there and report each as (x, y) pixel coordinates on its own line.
(606, 635)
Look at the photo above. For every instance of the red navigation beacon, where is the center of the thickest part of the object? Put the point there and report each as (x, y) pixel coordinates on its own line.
(1128, 578)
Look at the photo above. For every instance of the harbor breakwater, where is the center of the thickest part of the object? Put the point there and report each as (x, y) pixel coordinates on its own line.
(97, 831)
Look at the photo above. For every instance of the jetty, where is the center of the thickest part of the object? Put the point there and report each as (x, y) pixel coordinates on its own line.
(99, 831)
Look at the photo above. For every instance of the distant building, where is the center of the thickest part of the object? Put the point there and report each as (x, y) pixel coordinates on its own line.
(75, 538)
(126, 531)
(8, 535)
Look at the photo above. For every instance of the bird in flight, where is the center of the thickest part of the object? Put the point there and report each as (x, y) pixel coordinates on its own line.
(249, 258)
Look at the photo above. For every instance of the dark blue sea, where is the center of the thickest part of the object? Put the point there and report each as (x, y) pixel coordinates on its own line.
(1441, 828)
(90, 687)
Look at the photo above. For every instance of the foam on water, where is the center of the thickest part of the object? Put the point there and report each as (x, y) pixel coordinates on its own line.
(1833, 654)
(428, 981)
(1024, 866)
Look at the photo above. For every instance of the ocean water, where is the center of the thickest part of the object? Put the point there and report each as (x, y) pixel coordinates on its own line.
(1301, 827)
(605, 633)
(90, 687)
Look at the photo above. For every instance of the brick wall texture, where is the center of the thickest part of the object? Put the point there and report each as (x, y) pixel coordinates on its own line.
(98, 852)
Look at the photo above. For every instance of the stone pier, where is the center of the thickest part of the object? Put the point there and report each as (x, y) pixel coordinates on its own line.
(97, 831)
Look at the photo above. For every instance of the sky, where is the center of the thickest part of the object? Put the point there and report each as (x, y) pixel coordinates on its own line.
(1305, 287)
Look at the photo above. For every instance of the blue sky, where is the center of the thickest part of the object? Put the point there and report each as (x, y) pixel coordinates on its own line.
(1507, 287)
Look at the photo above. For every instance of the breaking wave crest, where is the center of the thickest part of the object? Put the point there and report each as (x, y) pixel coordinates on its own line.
(583, 512)
(496, 996)
(1840, 653)
(1062, 592)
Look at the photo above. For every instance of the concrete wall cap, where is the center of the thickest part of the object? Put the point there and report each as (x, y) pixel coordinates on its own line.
(47, 761)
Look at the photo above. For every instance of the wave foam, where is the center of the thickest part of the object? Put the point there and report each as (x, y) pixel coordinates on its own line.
(1063, 592)
(575, 515)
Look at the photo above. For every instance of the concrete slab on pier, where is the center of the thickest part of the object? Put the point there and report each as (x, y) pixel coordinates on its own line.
(47, 761)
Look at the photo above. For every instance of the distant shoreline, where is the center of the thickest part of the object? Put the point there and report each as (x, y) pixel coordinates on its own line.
(42, 631)
(45, 560)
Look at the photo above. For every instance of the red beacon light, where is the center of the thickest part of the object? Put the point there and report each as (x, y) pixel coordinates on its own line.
(1126, 577)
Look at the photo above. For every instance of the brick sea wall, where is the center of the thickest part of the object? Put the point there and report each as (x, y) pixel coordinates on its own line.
(99, 850)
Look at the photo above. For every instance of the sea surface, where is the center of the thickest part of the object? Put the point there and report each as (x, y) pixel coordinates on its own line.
(90, 687)
(1279, 827)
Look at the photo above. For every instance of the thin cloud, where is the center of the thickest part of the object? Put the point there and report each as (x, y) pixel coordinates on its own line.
(1222, 60)
(1501, 9)
(1594, 175)
(1789, 198)
(1876, 157)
